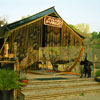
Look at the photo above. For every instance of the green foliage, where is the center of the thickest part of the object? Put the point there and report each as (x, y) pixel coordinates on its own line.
(82, 94)
(3, 21)
(22, 78)
(84, 28)
(94, 35)
(53, 55)
(98, 73)
(9, 80)
(95, 39)
(74, 28)
(98, 36)
(97, 67)
(23, 17)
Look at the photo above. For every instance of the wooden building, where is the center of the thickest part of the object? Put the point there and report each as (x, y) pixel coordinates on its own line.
(44, 29)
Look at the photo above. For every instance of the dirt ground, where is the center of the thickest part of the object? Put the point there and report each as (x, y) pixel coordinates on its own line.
(45, 87)
(90, 96)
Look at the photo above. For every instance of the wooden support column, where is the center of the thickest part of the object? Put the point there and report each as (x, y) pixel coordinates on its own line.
(16, 68)
(94, 65)
(6, 47)
(15, 49)
(16, 65)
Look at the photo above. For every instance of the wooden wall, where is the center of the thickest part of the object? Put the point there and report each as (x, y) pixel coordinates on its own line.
(52, 36)
(69, 37)
(29, 39)
(32, 36)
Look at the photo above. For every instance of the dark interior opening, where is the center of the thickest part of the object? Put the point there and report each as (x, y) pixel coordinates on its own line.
(1, 42)
(43, 37)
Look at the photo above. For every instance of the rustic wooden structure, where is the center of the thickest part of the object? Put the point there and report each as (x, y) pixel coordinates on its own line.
(32, 32)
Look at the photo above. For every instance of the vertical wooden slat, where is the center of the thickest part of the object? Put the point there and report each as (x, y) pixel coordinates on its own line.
(45, 36)
(62, 35)
(50, 37)
(11, 42)
(49, 34)
(41, 31)
(24, 42)
(26, 37)
(74, 41)
(53, 36)
(39, 35)
(68, 38)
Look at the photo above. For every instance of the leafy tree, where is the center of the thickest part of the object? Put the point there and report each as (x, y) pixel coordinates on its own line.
(94, 35)
(75, 29)
(84, 33)
(98, 36)
(95, 39)
(23, 17)
(83, 28)
(3, 21)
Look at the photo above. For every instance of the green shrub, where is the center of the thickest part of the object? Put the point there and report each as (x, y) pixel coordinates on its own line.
(97, 67)
(22, 78)
(98, 73)
(9, 80)
(82, 94)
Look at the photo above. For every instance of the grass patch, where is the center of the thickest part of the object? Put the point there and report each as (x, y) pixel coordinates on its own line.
(82, 94)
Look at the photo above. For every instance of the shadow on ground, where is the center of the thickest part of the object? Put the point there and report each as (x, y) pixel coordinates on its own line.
(54, 78)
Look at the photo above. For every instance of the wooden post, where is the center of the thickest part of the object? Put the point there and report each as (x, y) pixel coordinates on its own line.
(6, 47)
(16, 68)
(15, 49)
(16, 65)
(94, 65)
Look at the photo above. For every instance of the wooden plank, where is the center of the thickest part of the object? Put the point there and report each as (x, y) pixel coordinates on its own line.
(11, 55)
(62, 35)
(26, 37)
(73, 32)
(7, 61)
(39, 34)
(41, 30)
(74, 40)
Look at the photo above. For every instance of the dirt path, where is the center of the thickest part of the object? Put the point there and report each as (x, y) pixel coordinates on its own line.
(61, 87)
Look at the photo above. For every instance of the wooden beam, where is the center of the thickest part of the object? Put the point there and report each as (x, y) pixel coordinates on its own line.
(7, 61)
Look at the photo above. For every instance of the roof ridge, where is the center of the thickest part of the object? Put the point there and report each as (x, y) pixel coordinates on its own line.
(32, 15)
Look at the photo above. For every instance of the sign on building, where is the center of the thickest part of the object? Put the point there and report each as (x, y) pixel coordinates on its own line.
(53, 21)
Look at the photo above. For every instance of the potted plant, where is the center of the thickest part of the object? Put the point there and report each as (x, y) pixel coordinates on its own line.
(97, 78)
(24, 81)
(8, 82)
